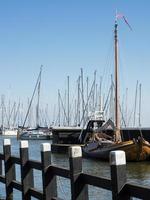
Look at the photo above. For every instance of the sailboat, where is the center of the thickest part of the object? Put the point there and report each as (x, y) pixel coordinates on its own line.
(100, 144)
(38, 133)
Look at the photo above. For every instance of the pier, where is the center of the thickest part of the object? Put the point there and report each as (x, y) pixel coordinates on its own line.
(79, 181)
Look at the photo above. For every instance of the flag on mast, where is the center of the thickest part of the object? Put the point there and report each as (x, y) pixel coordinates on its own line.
(121, 16)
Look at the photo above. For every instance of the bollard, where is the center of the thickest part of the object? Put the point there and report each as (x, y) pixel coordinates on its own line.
(49, 179)
(9, 169)
(79, 191)
(118, 175)
(26, 171)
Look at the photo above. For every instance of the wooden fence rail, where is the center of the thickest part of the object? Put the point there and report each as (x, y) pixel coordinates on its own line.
(79, 181)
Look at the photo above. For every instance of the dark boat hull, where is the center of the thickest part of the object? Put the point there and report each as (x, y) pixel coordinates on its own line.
(135, 151)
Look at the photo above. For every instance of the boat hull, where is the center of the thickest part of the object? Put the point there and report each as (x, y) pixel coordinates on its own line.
(10, 132)
(34, 135)
(134, 150)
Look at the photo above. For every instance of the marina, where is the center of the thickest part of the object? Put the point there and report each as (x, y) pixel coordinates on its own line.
(74, 100)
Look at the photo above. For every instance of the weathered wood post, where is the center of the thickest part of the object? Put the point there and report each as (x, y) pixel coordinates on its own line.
(26, 172)
(49, 179)
(79, 191)
(9, 169)
(118, 175)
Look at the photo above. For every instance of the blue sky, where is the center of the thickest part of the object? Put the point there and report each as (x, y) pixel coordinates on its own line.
(65, 35)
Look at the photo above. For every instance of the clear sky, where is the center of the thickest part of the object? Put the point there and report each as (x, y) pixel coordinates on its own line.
(65, 35)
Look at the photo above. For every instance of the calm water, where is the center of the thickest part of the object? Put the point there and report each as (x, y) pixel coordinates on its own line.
(136, 172)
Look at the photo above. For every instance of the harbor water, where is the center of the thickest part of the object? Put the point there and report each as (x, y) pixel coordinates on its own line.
(137, 172)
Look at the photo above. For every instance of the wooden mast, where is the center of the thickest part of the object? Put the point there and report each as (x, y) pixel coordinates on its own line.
(117, 113)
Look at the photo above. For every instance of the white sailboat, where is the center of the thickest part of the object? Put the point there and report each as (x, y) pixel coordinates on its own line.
(10, 131)
(38, 133)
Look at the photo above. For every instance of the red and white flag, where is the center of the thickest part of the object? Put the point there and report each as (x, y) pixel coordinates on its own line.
(121, 16)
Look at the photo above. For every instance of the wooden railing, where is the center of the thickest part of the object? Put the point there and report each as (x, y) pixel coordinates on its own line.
(79, 181)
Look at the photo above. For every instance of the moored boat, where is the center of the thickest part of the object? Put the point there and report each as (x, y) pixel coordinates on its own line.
(98, 144)
(9, 131)
(136, 150)
(37, 133)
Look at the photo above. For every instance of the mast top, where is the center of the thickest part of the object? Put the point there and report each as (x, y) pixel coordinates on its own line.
(116, 25)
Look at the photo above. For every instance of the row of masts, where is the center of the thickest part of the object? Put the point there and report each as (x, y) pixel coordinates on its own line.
(82, 103)
(89, 100)
(85, 107)
(76, 105)
(73, 109)
(12, 114)
(14, 118)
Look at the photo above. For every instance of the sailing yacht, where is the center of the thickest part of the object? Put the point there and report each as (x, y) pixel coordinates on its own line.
(38, 133)
(98, 144)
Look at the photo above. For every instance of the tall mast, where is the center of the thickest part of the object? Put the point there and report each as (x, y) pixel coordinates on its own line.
(136, 91)
(38, 100)
(37, 108)
(140, 105)
(117, 113)
(78, 103)
(126, 106)
(2, 106)
(82, 95)
(58, 108)
(87, 94)
(68, 118)
(100, 95)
